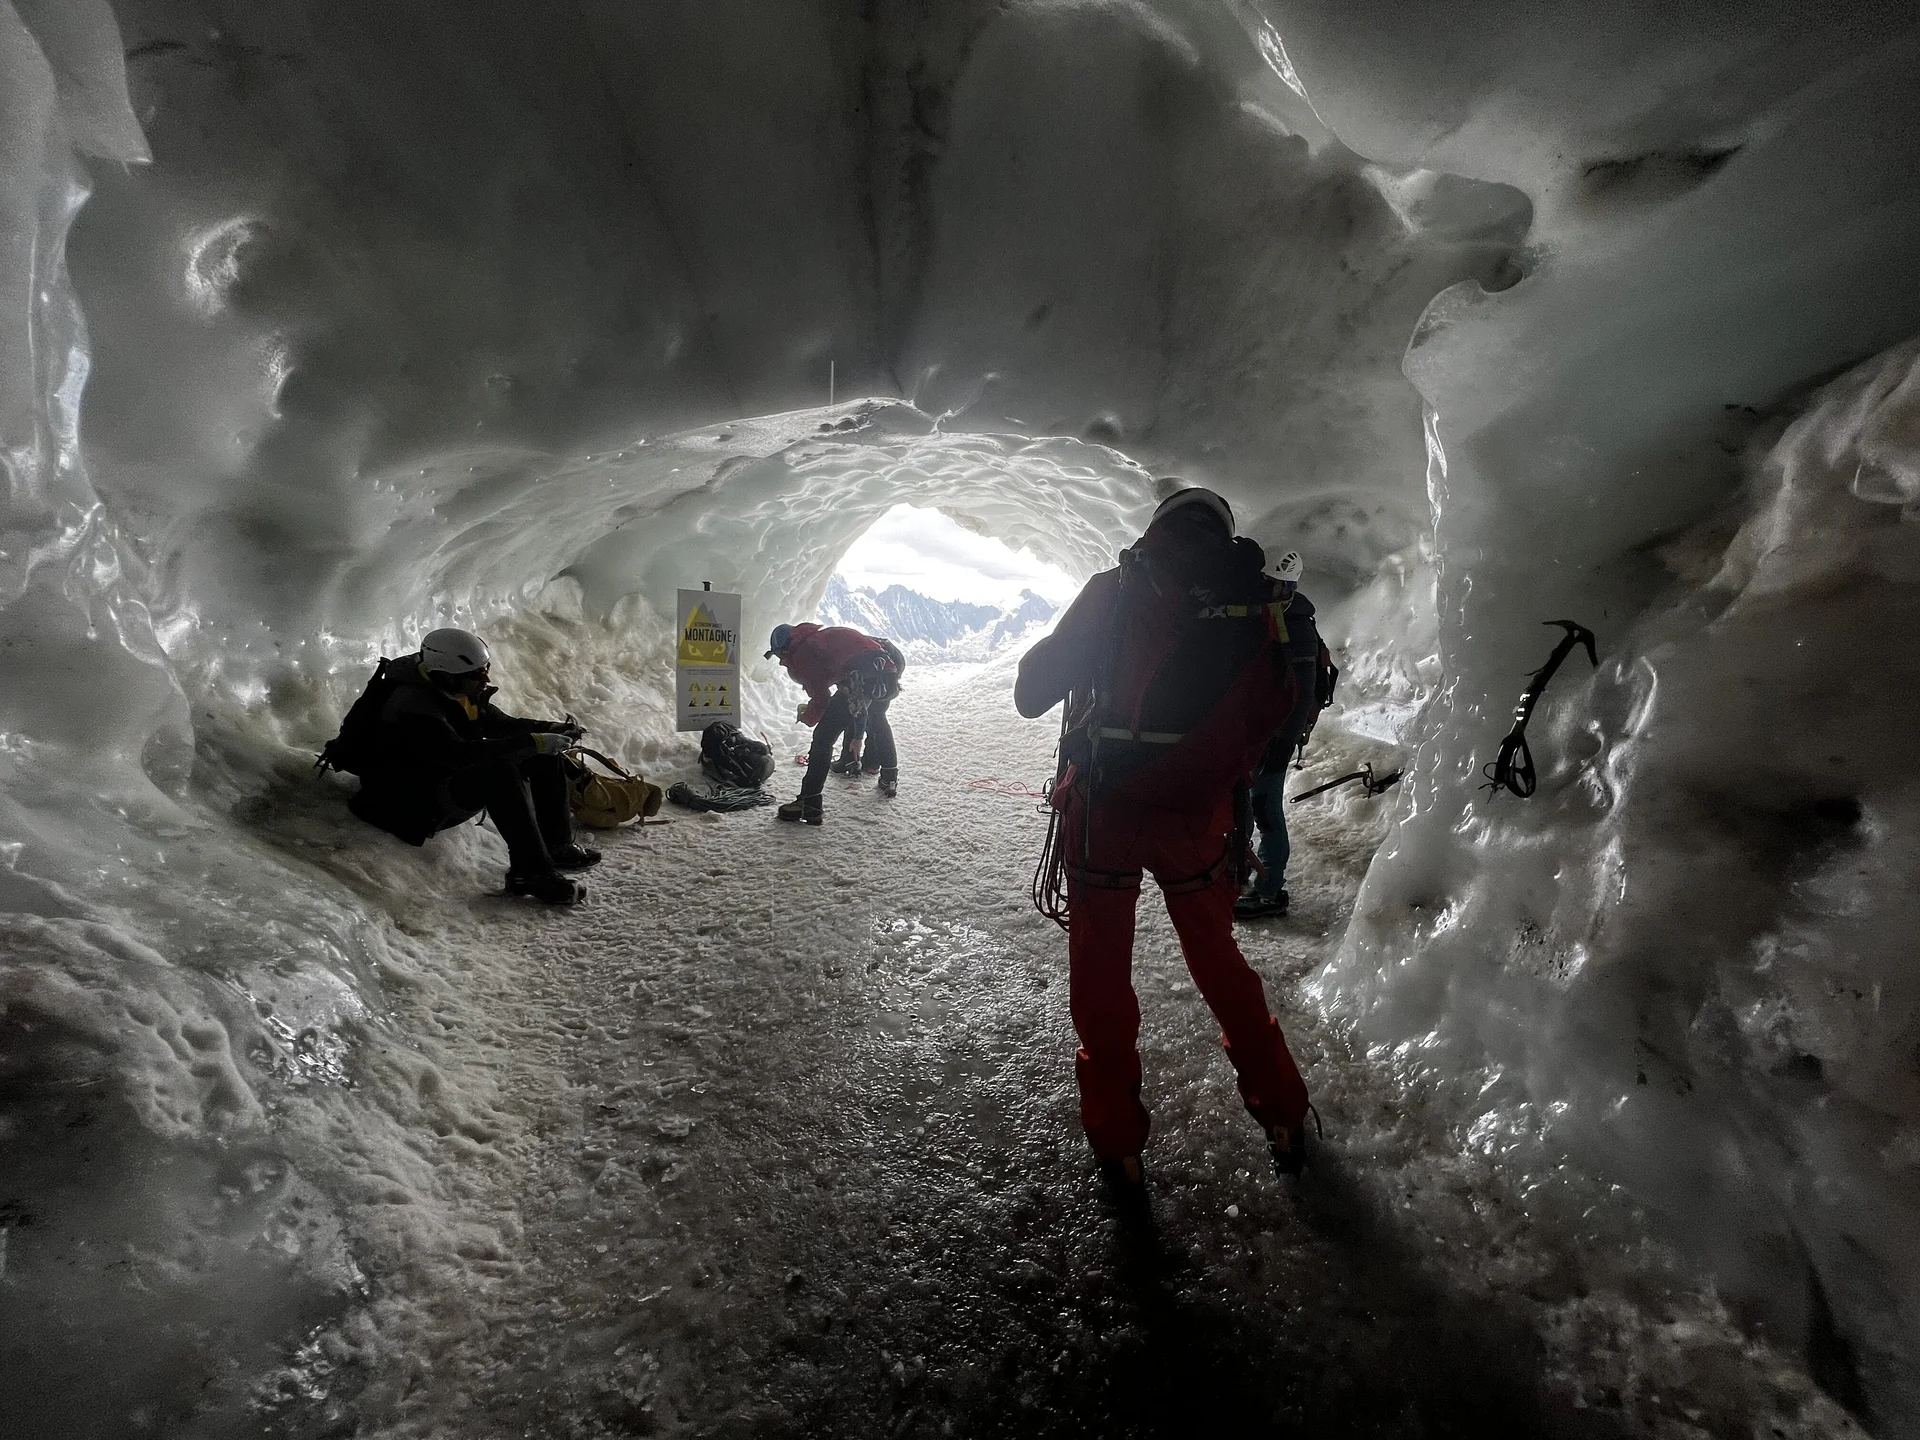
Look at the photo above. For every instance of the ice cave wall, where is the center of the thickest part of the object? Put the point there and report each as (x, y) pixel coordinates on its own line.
(414, 310)
(1686, 963)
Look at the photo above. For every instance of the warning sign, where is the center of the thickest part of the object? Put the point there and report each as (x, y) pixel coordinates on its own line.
(707, 659)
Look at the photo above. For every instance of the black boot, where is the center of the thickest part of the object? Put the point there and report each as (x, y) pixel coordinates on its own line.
(574, 856)
(547, 886)
(1255, 906)
(889, 785)
(1126, 1187)
(1124, 1175)
(1288, 1144)
(807, 808)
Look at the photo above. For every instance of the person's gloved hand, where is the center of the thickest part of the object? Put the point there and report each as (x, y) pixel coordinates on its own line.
(571, 728)
(800, 712)
(552, 742)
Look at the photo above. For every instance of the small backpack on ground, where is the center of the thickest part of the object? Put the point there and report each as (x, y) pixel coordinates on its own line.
(604, 801)
(354, 748)
(733, 758)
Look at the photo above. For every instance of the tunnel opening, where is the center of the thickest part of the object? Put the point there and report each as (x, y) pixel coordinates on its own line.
(949, 594)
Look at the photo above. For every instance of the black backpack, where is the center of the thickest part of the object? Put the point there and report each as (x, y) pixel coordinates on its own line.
(1326, 675)
(735, 759)
(354, 748)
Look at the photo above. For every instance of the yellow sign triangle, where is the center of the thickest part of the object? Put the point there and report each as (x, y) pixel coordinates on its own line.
(702, 642)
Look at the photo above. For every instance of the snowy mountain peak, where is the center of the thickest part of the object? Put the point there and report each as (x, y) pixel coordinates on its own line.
(931, 630)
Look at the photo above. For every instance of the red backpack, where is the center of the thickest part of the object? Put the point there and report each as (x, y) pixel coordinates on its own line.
(1197, 682)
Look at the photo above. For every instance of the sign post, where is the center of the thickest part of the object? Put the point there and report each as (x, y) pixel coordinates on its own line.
(707, 658)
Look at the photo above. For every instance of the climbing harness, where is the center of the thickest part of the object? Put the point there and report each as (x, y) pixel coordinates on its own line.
(1512, 769)
(1364, 775)
(872, 678)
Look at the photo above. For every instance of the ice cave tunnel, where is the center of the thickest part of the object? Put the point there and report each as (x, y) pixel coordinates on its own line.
(322, 324)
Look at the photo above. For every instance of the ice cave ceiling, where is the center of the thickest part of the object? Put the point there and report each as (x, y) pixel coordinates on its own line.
(321, 321)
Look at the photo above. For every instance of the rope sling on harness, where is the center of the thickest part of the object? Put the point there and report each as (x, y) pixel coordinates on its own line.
(1512, 769)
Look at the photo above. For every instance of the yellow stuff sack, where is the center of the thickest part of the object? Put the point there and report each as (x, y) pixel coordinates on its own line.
(606, 800)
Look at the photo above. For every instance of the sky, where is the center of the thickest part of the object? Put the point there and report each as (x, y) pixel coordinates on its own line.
(925, 551)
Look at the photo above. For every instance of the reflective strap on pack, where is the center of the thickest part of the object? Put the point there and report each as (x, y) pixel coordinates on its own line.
(1275, 616)
(1145, 737)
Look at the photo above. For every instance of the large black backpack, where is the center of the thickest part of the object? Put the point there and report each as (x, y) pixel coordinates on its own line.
(355, 747)
(733, 758)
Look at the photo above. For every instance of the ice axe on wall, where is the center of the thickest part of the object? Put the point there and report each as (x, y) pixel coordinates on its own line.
(1512, 769)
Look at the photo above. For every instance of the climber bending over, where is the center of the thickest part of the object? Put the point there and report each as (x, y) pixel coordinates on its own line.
(846, 675)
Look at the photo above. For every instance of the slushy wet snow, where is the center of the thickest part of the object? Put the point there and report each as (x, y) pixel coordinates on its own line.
(325, 327)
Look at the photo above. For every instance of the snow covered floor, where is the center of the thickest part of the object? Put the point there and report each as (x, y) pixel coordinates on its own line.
(778, 1137)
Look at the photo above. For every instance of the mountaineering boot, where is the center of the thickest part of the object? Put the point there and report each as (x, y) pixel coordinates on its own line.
(1255, 906)
(807, 808)
(547, 886)
(848, 763)
(1126, 1185)
(889, 785)
(867, 768)
(574, 856)
(1288, 1145)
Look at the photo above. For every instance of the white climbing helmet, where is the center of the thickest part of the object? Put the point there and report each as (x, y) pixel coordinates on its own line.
(454, 652)
(1290, 568)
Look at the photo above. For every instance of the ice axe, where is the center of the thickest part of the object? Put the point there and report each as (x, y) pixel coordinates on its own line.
(1364, 775)
(1512, 769)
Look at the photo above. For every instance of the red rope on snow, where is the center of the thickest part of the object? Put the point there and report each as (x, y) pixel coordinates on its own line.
(1013, 789)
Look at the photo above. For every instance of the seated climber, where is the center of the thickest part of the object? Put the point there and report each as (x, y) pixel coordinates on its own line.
(850, 761)
(432, 750)
(846, 675)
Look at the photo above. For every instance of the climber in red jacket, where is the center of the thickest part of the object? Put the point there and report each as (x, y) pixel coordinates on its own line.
(847, 676)
(1175, 674)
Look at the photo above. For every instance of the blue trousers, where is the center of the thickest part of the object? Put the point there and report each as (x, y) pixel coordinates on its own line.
(1270, 812)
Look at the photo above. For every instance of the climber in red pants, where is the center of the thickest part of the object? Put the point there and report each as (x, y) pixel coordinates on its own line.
(1175, 673)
